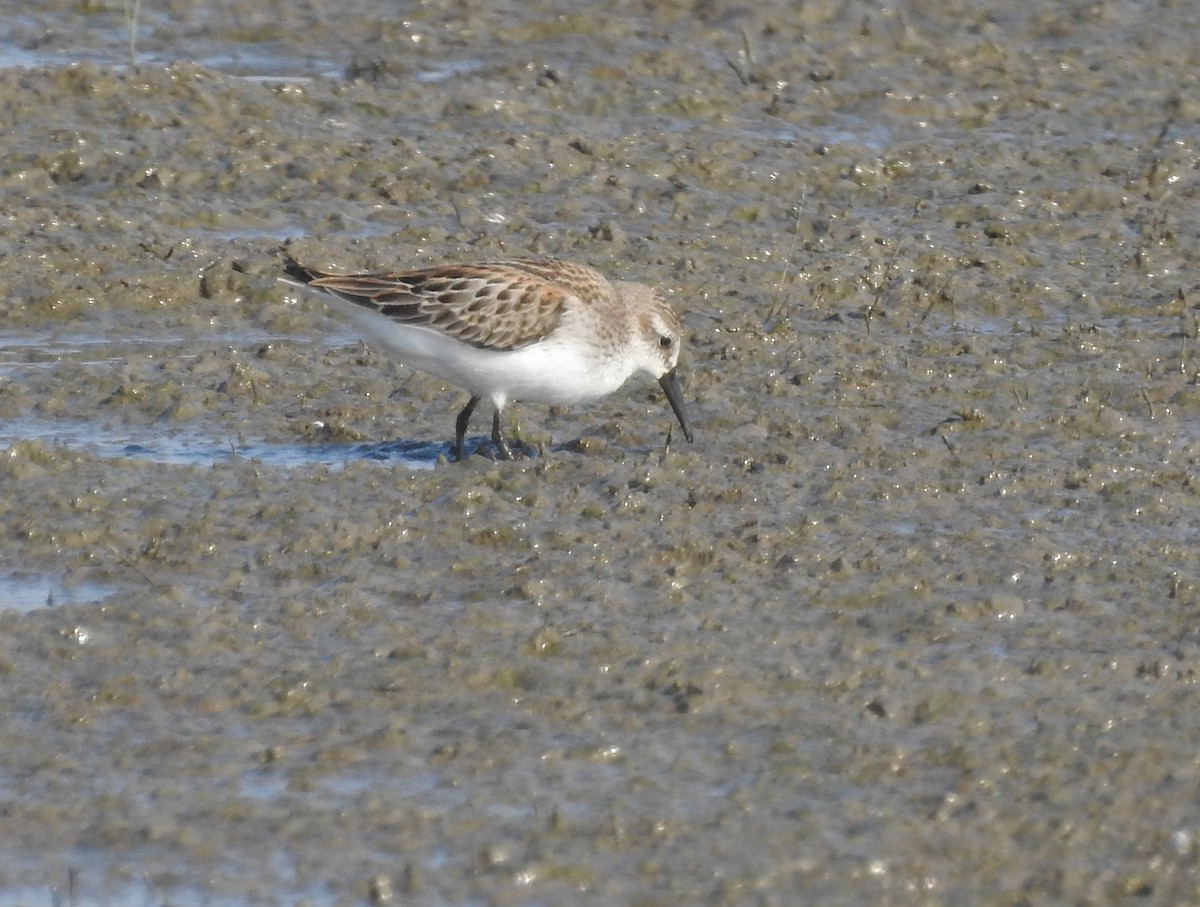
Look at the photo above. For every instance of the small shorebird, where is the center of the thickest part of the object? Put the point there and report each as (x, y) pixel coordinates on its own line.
(539, 330)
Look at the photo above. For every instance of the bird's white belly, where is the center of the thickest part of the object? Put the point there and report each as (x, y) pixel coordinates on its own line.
(554, 371)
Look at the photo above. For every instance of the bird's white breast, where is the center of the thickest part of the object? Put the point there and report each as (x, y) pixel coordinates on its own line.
(561, 369)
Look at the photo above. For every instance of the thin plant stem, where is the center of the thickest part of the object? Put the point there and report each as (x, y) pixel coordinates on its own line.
(131, 19)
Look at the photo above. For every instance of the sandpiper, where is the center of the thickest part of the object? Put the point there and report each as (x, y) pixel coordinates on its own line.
(539, 330)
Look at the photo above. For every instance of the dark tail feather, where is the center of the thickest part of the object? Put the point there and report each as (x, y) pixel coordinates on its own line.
(297, 271)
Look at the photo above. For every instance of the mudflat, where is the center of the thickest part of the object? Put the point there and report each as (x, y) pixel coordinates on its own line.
(912, 621)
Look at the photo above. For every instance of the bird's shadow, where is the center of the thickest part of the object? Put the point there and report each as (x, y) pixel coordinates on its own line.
(428, 453)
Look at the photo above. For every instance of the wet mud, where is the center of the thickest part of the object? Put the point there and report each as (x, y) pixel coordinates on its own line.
(912, 621)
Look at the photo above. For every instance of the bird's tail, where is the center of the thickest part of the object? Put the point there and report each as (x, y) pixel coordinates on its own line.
(297, 272)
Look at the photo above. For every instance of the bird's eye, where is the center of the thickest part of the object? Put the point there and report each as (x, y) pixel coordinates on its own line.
(665, 343)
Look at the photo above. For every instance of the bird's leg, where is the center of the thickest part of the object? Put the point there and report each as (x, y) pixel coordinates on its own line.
(460, 427)
(502, 448)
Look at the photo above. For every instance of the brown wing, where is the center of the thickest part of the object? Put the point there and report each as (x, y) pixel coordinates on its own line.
(581, 281)
(500, 306)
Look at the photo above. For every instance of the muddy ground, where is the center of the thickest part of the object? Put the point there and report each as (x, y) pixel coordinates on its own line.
(914, 621)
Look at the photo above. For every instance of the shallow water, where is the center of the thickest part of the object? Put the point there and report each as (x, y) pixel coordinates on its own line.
(182, 448)
(20, 592)
(911, 622)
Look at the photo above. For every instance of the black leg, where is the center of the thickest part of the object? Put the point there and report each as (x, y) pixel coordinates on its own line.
(460, 427)
(503, 451)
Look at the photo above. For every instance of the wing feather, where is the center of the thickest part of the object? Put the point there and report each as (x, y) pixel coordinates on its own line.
(496, 305)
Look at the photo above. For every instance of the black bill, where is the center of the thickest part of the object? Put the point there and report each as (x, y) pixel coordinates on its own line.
(670, 386)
